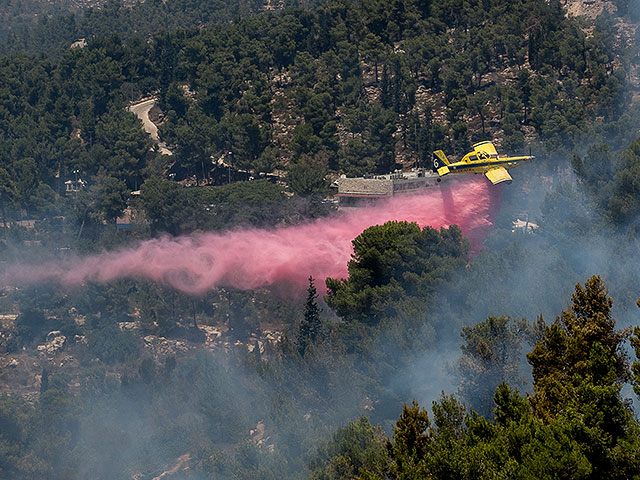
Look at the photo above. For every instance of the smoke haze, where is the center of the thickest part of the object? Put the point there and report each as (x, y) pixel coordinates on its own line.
(253, 258)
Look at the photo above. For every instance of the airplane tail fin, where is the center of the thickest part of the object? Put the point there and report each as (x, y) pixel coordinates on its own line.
(440, 163)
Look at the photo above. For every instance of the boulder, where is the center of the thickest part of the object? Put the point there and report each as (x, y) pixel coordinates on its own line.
(55, 343)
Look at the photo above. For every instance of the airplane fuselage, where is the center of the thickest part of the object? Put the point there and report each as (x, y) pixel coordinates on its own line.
(482, 159)
(482, 166)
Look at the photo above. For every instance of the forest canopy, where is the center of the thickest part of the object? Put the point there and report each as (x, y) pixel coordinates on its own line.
(351, 87)
(260, 107)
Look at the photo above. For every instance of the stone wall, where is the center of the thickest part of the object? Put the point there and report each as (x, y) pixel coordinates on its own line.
(375, 187)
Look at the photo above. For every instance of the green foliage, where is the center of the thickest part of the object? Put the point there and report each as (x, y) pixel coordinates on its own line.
(635, 366)
(351, 97)
(111, 344)
(13, 423)
(164, 204)
(341, 88)
(243, 320)
(8, 193)
(610, 181)
(490, 356)
(311, 325)
(307, 177)
(623, 205)
(411, 442)
(174, 209)
(31, 326)
(578, 370)
(575, 425)
(111, 197)
(392, 261)
(160, 308)
(64, 23)
(357, 450)
(582, 346)
(121, 146)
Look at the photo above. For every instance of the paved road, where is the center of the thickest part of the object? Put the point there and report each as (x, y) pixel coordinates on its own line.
(141, 110)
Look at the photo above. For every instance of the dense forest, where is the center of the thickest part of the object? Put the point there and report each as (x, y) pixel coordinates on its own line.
(574, 424)
(50, 27)
(261, 109)
(349, 87)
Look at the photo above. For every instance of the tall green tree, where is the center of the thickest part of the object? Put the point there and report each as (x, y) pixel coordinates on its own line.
(635, 366)
(307, 176)
(410, 443)
(490, 356)
(310, 326)
(393, 261)
(357, 450)
(111, 195)
(8, 193)
(578, 370)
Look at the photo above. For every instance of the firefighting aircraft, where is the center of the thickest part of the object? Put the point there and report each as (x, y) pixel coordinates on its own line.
(483, 159)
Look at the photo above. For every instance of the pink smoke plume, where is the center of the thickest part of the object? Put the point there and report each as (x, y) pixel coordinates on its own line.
(253, 258)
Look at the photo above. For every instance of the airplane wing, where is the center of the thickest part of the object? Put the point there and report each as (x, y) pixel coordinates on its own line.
(487, 148)
(498, 175)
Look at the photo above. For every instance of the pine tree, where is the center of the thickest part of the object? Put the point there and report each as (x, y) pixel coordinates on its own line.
(490, 356)
(578, 369)
(410, 445)
(311, 324)
(582, 345)
(44, 381)
(635, 366)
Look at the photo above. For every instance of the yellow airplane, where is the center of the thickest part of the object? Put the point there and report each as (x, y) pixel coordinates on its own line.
(483, 159)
